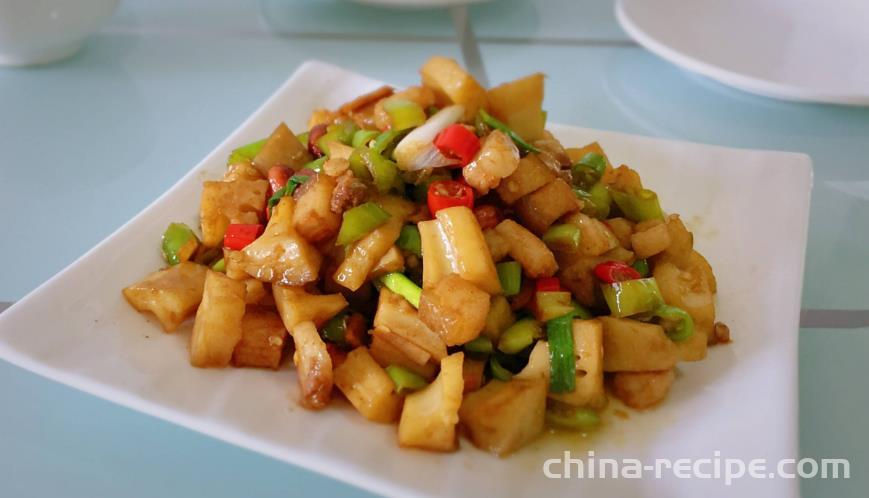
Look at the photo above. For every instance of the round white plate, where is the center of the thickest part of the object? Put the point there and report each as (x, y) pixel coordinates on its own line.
(805, 50)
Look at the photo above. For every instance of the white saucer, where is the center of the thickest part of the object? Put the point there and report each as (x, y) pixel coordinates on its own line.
(811, 50)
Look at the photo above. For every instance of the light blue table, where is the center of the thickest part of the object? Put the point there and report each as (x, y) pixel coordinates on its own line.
(89, 142)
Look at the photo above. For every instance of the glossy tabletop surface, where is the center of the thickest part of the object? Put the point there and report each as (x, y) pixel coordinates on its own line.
(90, 141)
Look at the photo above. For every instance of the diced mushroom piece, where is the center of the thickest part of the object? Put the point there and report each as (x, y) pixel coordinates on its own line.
(217, 328)
(634, 346)
(499, 247)
(313, 217)
(526, 248)
(429, 417)
(642, 390)
(223, 202)
(454, 243)
(453, 85)
(530, 175)
(392, 349)
(313, 366)
(368, 387)
(519, 104)
(622, 228)
(396, 315)
(597, 238)
(296, 305)
(650, 238)
(282, 148)
(578, 277)
(539, 209)
(262, 340)
(281, 254)
(171, 294)
(504, 416)
(364, 255)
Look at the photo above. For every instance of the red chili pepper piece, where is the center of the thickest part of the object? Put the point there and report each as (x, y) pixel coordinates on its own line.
(239, 235)
(458, 142)
(449, 193)
(548, 284)
(615, 271)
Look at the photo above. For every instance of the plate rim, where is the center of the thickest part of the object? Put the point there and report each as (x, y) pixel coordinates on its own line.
(314, 463)
(733, 79)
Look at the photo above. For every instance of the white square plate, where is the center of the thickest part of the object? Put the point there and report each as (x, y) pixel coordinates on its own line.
(749, 214)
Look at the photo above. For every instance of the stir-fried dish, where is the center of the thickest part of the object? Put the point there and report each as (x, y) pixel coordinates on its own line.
(441, 260)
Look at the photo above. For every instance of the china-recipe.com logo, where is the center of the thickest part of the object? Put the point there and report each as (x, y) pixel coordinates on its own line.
(716, 467)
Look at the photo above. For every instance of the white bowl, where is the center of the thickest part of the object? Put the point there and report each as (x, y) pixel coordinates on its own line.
(809, 51)
(43, 31)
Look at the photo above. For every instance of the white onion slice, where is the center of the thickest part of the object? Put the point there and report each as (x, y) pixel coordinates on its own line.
(416, 151)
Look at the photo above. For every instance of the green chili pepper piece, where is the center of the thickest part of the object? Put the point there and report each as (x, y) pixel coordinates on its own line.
(360, 221)
(303, 138)
(520, 335)
(338, 132)
(574, 419)
(334, 330)
(481, 344)
(564, 237)
(562, 361)
(366, 164)
(219, 266)
(362, 137)
(179, 243)
(510, 275)
(404, 379)
(404, 114)
(596, 201)
(385, 142)
(409, 240)
(498, 371)
(580, 312)
(677, 323)
(383, 171)
(359, 165)
(640, 206)
(552, 304)
(245, 153)
(403, 286)
(493, 122)
(632, 297)
(499, 318)
(588, 170)
(316, 165)
(642, 267)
